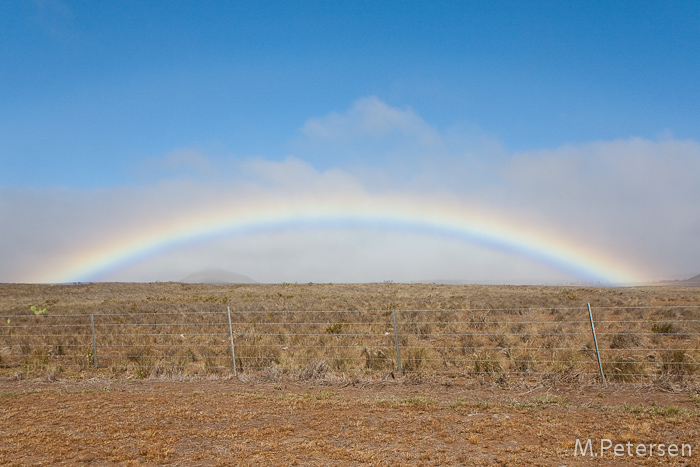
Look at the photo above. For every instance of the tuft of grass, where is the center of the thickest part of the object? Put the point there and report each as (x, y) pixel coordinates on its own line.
(324, 395)
(663, 328)
(626, 369)
(414, 359)
(417, 400)
(627, 340)
(678, 363)
(316, 369)
(487, 361)
(377, 359)
(671, 413)
(272, 373)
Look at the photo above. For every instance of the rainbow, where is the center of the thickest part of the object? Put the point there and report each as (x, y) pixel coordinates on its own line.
(393, 212)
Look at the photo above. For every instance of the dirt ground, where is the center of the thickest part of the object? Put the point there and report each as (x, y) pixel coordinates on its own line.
(402, 421)
(336, 420)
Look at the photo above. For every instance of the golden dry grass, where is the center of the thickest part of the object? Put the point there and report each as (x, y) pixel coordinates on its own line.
(177, 330)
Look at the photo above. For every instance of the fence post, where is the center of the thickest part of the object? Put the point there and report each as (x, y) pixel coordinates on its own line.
(230, 333)
(396, 339)
(595, 340)
(94, 347)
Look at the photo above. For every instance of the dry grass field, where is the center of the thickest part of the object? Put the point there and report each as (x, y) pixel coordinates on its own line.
(182, 330)
(492, 375)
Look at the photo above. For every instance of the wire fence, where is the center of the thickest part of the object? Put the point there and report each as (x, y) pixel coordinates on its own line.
(633, 343)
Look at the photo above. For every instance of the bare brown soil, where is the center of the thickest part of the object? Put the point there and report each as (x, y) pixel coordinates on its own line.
(401, 422)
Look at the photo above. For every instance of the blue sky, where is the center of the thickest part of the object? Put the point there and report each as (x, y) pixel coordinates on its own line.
(126, 95)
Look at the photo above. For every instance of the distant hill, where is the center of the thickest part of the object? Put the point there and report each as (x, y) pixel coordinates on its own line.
(695, 281)
(217, 276)
(692, 282)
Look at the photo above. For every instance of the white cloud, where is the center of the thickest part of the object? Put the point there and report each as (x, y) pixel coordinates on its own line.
(295, 175)
(631, 196)
(371, 118)
(634, 199)
(372, 139)
(392, 148)
(634, 196)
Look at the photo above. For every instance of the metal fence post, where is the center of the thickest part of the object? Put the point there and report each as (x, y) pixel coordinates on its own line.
(230, 332)
(94, 346)
(595, 340)
(396, 339)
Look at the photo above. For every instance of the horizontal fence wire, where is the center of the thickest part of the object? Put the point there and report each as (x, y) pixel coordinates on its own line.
(635, 343)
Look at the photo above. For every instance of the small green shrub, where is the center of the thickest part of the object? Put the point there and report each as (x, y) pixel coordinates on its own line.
(38, 312)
